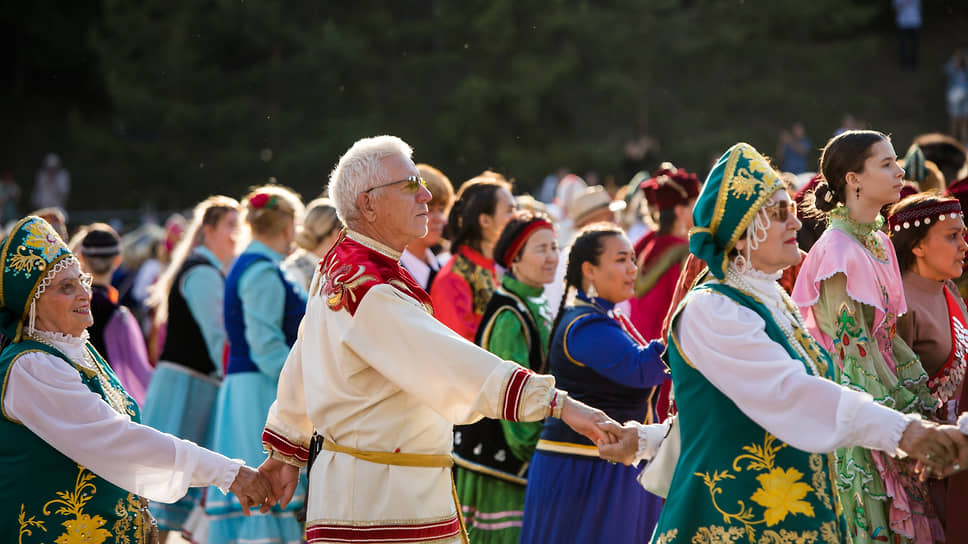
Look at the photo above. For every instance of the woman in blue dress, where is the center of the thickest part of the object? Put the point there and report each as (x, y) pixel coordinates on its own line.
(187, 299)
(262, 311)
(600, 359)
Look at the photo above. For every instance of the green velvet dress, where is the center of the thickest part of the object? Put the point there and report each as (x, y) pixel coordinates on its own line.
(492, 504)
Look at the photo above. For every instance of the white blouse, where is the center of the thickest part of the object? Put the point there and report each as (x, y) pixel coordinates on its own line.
(728, 344)
(47, 395)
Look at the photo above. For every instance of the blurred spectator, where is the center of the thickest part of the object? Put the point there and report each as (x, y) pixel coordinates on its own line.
(115, 332)
(569, 188)
(318, 232)
(52, 186)
(908, 18)
(639, 154)
(56, 217)
(924, 173)
(419, 258)
(793, 149)
(957, 94)
(847, 122)
(9, 197)
(151, 268)
(550, 185)
(946, 152)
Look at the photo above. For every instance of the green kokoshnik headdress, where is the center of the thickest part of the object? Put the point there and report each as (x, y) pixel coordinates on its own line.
(738, 185)
(32, 254)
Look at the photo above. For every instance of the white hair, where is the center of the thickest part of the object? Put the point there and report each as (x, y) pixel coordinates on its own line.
(361, 168)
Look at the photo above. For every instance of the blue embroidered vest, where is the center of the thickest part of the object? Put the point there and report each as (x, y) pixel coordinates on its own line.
(295, 307)
(46, 496)
(736, 482)
(620, 402)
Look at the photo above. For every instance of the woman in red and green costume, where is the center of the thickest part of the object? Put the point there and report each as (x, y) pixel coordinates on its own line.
(75, 463)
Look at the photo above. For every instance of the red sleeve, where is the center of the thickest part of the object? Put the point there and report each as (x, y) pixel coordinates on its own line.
(453, 304)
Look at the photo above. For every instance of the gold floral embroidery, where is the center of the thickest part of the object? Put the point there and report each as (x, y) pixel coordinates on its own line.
(717, 535)
(82, 528)
(25, 262)
(747, 179)
(828, 532)
(26, 523)
(42, 237)
(667, 537)
(788, 537)
(479, 279)
(131, 511)
(819, 482)
(780, 493)
(341, 283)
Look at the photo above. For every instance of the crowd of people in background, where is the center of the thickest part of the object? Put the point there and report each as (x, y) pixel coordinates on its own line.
(197, 319)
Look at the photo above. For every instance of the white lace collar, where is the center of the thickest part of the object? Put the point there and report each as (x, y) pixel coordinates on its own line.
(762, 284)
(72, 346)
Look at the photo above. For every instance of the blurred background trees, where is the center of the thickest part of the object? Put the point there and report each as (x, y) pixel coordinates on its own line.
(159, 103)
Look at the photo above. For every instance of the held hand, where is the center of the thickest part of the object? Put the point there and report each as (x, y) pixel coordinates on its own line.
(584, 420)
(961, 441)
(252, 489)
(931, 446)
(283, 477)
(624, 450)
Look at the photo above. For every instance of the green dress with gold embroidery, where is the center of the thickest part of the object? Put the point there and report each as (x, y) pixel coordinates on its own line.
(735, 481)
(850, 292)
(47, 497)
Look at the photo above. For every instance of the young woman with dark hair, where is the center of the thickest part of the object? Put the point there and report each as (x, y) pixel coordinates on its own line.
(850, 292)
(595, 352)
(464, 285)
(928, 232)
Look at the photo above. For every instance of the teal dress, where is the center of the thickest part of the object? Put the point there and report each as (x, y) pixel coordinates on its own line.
(493, 455)
(735, 481)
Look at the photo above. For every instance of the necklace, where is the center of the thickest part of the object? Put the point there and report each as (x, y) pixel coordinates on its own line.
(793, 329)
(115, 397)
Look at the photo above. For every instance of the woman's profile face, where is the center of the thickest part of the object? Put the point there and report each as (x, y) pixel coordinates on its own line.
(221, 238)
(65, 306)
(940, 255)
(780, 249)
(614, 275)
(538, 260)
(881, 179)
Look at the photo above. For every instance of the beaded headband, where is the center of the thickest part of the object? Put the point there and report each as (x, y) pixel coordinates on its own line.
(914, 217)
(522, 238)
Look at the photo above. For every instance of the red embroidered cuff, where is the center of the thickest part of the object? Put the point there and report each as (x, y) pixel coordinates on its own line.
(514, 393)
(279, 444)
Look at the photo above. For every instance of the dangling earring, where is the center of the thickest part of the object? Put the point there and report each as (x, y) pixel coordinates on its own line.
(592, 292)
(858, 193)
(741, 263)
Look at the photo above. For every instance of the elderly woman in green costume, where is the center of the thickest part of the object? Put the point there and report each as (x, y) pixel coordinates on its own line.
(759, 413)
(75, 464)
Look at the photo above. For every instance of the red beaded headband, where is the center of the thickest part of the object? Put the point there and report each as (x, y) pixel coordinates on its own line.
(913, 217)
(521, 238)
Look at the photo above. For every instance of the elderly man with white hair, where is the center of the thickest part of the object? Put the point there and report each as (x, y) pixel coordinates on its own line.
(381, 381)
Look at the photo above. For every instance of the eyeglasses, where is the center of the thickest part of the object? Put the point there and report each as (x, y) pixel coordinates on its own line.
(414, 183)
(782, 210)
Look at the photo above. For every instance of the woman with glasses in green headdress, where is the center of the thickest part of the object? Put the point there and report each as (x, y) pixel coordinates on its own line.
(759, 413)
(75, 463)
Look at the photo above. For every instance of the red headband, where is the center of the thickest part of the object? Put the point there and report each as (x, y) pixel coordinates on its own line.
(522, 237)
(924, 214)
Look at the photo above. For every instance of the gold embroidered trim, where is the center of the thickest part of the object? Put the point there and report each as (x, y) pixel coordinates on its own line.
(567, 447)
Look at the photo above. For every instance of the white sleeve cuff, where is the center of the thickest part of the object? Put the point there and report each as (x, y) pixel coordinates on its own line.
(650, 438)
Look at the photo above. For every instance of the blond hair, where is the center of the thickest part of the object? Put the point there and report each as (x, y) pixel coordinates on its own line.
(319, 222)
(267, 209)
(207, 212)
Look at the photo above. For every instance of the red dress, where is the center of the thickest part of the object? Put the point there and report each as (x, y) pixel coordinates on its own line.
(462, 289)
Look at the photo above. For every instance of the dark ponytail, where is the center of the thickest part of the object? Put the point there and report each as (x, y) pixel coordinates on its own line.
(476, 196)
(844, 153)
(587, 247)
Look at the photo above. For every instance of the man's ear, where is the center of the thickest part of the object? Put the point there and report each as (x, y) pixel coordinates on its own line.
(365, 203)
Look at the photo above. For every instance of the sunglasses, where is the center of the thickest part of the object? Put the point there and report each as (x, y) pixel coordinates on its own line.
(414, 183)
(781, 211)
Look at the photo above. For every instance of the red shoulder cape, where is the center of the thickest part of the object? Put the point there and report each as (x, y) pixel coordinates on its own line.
(350, 269)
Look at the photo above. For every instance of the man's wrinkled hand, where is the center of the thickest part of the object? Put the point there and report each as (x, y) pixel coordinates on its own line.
(252, 489)
(625, 448)
(283, 478)
(584, 420)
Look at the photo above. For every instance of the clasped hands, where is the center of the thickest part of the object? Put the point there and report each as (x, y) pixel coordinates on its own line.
(274, 481)
(940, 450)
